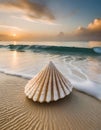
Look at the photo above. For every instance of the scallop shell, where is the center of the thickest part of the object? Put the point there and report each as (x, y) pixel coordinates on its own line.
(48, 85)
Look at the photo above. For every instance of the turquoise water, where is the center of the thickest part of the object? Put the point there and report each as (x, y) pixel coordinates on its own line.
(80, 62)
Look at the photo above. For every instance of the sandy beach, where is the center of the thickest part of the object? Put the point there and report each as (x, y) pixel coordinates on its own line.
(56, 44)
(76, 112)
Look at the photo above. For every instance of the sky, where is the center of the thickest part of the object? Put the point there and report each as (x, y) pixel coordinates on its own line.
(50, 20)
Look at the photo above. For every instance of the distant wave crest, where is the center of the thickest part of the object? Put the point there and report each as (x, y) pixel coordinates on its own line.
(97, 49)
(53, 49)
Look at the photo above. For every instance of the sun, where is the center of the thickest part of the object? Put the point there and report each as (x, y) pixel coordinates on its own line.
(14, 34)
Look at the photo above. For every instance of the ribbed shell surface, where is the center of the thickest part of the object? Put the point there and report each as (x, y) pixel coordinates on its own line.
(48, 85)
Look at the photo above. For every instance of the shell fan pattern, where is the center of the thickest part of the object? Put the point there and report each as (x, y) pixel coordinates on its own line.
(48, 85)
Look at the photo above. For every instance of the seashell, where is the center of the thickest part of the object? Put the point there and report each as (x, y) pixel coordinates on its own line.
(48, 85)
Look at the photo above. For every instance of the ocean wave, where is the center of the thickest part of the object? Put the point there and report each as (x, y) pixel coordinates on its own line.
(53, 49)
(97, 49)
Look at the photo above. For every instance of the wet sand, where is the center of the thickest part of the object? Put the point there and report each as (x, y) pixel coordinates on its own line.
(76, 112)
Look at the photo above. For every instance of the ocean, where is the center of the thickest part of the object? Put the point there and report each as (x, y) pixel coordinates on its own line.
(80, 62)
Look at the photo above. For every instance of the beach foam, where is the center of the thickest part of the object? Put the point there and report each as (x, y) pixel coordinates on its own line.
(84, 71)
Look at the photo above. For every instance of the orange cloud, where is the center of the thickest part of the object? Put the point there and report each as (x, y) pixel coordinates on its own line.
(91, 32)
(4, 37)
(95, 25)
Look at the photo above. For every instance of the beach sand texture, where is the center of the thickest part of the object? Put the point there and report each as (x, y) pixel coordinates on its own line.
(17, 112)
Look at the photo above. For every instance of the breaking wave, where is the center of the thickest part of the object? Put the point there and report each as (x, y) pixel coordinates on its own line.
(53, 49)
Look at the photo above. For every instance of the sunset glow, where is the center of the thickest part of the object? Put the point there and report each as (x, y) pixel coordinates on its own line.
(40, 20)
(14, 35)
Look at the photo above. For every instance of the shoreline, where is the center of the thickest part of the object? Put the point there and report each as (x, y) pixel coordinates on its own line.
(78, 111)
(28, 78)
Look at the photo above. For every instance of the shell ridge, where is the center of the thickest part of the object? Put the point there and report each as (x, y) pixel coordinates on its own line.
(62, 80)
(36, 79)
(49, 88)
(34, 84)
(42, 90)
(36, 93)
(52, 87)
(34, 87)
(55, 92)
(57, 84)
(62, 85)
(65, 81)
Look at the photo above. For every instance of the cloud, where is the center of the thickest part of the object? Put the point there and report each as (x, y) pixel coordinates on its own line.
(10, 27)
(94, 28)
(4, 37)
(61, 34)
(95, 25)
(37, 21)
(32, 10)
(92, 31)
